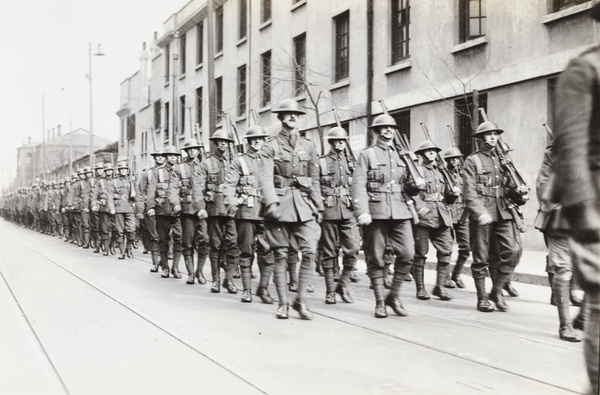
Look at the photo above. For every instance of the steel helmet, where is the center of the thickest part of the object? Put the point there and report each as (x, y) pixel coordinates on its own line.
(451, 152)
(255, 131)
(87, 169)
(221, 134)
(108, 166)
(156, 152)
(337, 133)
(288, 105)
(425, 145)
(383, 120)
(191, 143)
(98, 166)
(122, 165)
(171, 150)
(487, 126)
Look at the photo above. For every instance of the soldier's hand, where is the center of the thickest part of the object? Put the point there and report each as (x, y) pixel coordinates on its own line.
(485, 219)
(62, 210)
(456, 191)
(364, 219)
(202, 214)
(139, 216)
(232, 210)
(319, 217)
(150, 212)
(522, 190)
(95, 209)
(86, 210)
(420, 183)
(272, 212)
(176, 209)
(112, 212)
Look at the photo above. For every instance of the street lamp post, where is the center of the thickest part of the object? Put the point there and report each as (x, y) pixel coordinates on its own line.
(99, 53)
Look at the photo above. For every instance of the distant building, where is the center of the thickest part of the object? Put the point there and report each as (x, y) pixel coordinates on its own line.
(50, 160)
(432, 62)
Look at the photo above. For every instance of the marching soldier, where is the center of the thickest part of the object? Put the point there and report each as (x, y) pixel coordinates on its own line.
(103, 204)
(122, 190)
(243, 198)
(380, 179)
(65, 209)
(86, 187)
(162, 201)
(486, 188)
(94, 235)
(222, 235)
(292, 197)
(339, 225)
(435, 222)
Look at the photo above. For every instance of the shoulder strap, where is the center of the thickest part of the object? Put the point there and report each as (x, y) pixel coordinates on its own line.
(478, 165)
(372, 158)
(149, 174)
(208, 165)
(244, 166)
(161, 176)
(182, 170)
(323, 163)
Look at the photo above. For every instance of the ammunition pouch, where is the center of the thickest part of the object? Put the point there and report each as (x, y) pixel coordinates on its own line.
(433, 197)
(247, 181)
(494, 192)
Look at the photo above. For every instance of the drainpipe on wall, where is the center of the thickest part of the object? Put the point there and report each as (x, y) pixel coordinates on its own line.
(369, 65)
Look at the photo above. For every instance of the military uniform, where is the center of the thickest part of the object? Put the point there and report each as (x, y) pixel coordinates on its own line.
(149, 221)
(122, 191)
(103, 204)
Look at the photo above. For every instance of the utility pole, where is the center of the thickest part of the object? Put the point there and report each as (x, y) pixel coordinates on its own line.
(210, 69)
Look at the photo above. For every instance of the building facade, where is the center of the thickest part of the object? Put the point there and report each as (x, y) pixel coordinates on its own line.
(432, 63)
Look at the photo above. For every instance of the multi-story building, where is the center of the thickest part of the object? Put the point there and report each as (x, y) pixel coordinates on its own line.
(433, 63)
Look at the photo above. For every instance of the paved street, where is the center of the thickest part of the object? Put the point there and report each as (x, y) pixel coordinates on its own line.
(77, 322)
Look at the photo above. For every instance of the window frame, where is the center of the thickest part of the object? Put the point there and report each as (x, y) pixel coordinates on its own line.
(182, 53)
(342, 46)
(265, 11)
(167, 63)
(181, 115)
(199, 102)
(242, 19)
(219, 98)
(465, 20)
(299, 63)
(242, 76)
(400, 33)
(559, 5)
(167, 120)
(402, 118)
(265, 78)
(200, 43)
(463, 133)
(157, 114)
(219, 30)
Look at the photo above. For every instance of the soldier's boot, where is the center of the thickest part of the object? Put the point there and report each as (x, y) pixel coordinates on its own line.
(442, 276)
(97, 245)
(575, 300)
(202, 256)
(292, 273)
(418, 275)
(121, 250)
(319, 268)
(155, 261)
(510, 289)
(189, 266)
(329, 285)
(104, 244)
(387, 282)
(303, 283)
(236, 272)
(246, 275)
(86, 240)
(561, 293)
(551, 280)
(175, 269)
(265, 268)
(128, 248)
(111, 247)
(216, 277)
(583, 316)
(483, 304)
(164, 263)
(279, 277)
(378, 290)
(228, 282)
(393, 297)
(458, 268)
(342, 287)
(496, 295)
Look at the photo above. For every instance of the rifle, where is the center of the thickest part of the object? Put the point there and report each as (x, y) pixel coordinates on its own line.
(176, 135)
(198, 134)
(462, 160)
(450, 183)
(350, 159)
(232, 149)
(550, 132)
(254, 117)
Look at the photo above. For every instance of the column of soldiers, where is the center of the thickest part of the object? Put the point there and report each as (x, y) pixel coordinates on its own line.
(280, 199)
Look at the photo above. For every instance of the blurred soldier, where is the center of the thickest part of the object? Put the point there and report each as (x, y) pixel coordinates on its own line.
(149, 220)
(486, 189)
(112, 233)
(122, 191)
(65, 209)
(242, 197)
(435, 222)
(460, 225)
(43, 208)
(53, 205)
(86, 186)
(94, 235)
(577, 184)
(339, 225)
(103, 204)
(380, 179)
(77, 205)
(222, 235)
(292, 197)
(190, 196)
(58, 188)
(162, 200)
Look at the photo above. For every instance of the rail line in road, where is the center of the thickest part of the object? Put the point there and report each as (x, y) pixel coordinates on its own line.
(333, 316)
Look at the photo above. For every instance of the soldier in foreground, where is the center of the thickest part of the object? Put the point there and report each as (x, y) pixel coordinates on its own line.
(122, 191)
(103, 204)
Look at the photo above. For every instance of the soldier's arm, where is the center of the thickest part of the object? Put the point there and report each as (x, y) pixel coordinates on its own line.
(151, 193)
(473, 200)
(230, 186)
(174, 187)
(314, 173)
(265, 180)
(140, 196)
(359, 186)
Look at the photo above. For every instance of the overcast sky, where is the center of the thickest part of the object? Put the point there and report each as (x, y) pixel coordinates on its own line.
(45, 52)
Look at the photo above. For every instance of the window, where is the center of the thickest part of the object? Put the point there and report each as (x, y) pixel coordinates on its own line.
(342, 46)
(242, 18)
(466, 111)
(241, 90)
(219, 97)
(144, 142)
(299, 63)
(559, 5)
(219, 29)
(182, 116)
(157, 108)
(551, 106)
(199, 106)
(167, 120)
(123, 129)
(167, 63)
(472, 21)
(131, 127)
(265, 78)
(400, 32)
(402, 119)
(28, 158)
(182, 56)
(199, 43)
(265, 14)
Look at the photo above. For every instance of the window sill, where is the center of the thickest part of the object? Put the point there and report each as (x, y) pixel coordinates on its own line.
(199, 66)
(298, 5)
(402, 65)
(555, 16)
(265, 24)
(264, 109)
(469, 44)
(240, 118)
(300, 97)
(218, 55)
(341, 84)
(181, 77)
(166, 84)
(241, 41)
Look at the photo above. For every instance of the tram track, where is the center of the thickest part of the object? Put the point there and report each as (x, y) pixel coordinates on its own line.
(241, 375)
